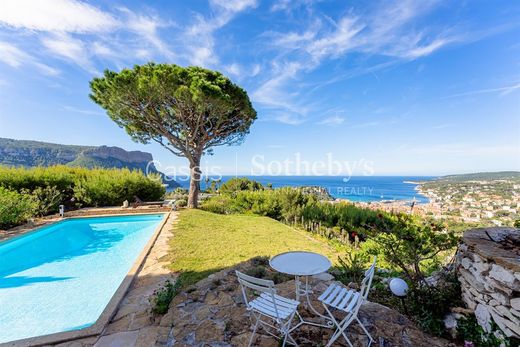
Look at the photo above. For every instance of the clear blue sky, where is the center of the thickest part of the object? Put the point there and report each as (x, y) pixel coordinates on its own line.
(425, 87)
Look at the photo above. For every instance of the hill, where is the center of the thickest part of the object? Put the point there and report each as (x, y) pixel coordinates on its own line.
(36, 153)
(482, 176)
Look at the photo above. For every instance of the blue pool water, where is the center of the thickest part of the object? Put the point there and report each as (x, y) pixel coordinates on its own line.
(60, 277)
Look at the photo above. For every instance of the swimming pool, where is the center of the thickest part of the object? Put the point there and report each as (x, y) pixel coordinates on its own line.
(62, 276)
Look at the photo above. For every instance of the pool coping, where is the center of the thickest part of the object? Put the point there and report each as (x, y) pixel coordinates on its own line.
(111, 308)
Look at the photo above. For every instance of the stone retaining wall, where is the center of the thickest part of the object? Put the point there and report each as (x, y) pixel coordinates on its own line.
(489, 272)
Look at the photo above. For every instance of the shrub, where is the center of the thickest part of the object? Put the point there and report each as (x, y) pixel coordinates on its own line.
(234, 185)
(110, 187)
(61, 177)
(408, 245)
(47, 199)
(15, 208)
(181, 202)
(219, 204)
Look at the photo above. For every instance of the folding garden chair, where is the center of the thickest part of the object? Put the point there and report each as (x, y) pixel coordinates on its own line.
(268, 309)
(349, 301)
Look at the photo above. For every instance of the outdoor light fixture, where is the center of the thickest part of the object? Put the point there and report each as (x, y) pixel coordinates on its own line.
(62, 211)
(398, 287)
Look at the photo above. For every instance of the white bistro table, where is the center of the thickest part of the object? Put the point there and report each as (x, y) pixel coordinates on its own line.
(303, 264)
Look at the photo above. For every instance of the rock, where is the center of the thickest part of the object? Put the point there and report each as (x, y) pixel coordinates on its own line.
(212, 298)
(502, 275)
(493, 302)
(450, 324)
(483, 317)
(466, 263)
(504, 325)
(241, 340)
(515, 313)
(147, 336)
(501, 298)
(209, 331)
(124, 339)
(225, 300)
(481, 267)
(506, 313)
(515, 303)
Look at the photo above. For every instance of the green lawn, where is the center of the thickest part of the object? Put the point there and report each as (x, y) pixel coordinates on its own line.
(205, 242)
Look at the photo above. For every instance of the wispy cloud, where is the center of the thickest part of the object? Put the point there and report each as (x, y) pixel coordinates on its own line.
(272, 94)
(147, 27)
(56, 16)
(200, 36)
(500, 90)
(15, 57)
(388, 31)
(69, 49)
(80, 110)
(78, 32)
(289, 5)
(334, 120)
(385, 31)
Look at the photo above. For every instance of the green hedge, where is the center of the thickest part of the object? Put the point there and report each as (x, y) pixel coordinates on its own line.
(48, 187)
(15, 208)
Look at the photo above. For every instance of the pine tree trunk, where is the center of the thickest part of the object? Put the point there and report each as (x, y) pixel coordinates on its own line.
(195, 174)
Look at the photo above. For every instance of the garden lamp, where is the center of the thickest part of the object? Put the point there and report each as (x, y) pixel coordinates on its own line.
(399, 288)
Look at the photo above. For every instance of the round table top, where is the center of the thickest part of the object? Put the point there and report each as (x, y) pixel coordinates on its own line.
(300, 263)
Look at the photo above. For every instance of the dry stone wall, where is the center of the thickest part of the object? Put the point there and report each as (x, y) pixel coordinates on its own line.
(488, 267)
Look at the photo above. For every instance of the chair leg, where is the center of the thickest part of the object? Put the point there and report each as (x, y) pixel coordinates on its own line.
(340, 328)
(251, 339)
(370, 339)
(286, 329)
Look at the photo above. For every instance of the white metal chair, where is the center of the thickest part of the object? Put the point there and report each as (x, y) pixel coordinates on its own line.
(278, 310)
(349, 301)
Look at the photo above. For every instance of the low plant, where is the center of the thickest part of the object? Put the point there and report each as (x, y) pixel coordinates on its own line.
(162, 297)
(473, 335)
(352, 267)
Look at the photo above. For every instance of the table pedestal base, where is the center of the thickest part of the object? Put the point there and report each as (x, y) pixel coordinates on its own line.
(303, 289)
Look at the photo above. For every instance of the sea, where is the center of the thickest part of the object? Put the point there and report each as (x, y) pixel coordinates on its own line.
(353, 188)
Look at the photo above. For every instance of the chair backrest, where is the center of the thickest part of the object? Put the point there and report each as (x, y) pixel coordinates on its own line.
(367, 281)
(258, 285)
